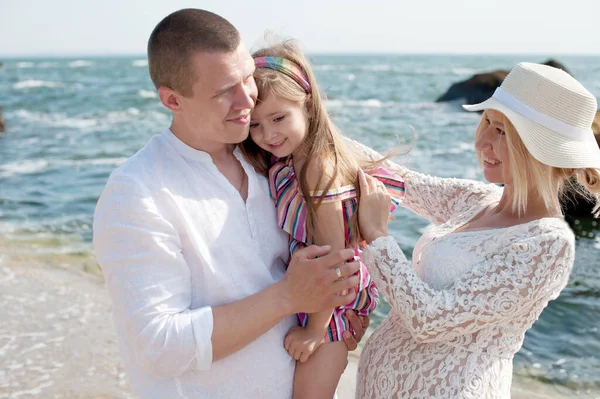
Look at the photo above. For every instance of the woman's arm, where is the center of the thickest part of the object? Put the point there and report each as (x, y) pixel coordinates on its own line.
(519, 279)
(434, 198)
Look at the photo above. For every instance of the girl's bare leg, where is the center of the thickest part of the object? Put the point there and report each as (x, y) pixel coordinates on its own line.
(318, 378)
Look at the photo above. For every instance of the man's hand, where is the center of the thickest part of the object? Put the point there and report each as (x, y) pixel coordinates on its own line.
(360, 325)
(316, 277)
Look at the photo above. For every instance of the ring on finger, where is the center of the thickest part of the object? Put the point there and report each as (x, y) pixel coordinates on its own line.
(338, 272)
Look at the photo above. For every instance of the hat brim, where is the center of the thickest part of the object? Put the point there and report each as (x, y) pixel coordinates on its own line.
(547, 146)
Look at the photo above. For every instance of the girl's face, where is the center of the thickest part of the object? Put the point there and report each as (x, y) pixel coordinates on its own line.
(492, 148)
(278, 126)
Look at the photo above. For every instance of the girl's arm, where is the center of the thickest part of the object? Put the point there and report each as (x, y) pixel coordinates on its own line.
(328, 229)
(436, 199)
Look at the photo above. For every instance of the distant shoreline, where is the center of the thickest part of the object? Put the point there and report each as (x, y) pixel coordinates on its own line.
(69, 56)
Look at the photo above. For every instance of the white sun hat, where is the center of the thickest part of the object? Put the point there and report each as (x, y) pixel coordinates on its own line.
(552, 113)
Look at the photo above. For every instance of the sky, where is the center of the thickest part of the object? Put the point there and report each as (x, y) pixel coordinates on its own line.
(115, 27)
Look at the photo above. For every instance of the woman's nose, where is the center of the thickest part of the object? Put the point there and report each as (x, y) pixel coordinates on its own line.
(483, 141)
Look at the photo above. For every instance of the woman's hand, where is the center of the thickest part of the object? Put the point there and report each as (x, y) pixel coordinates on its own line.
(359, 324)
(373, 208)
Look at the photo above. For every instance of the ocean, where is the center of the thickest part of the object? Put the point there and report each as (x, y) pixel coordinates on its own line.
(70, 122)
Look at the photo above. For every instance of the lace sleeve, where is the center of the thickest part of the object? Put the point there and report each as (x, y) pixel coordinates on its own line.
(440, 199)
(518, 280)
(436, 199)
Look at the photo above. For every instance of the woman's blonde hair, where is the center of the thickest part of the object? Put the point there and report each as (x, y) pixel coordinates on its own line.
(323, 144)
(551, 183)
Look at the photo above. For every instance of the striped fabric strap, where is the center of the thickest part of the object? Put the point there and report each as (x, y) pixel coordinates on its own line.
(286, 67)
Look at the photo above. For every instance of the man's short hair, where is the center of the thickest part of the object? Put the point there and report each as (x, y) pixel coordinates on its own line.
(178, 37)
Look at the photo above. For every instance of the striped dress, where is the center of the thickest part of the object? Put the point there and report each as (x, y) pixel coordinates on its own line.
(292, 218)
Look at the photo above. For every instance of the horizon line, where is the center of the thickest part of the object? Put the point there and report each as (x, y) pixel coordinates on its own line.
(311, 53)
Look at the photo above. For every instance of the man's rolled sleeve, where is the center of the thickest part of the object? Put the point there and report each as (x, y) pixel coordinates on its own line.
(148, 279)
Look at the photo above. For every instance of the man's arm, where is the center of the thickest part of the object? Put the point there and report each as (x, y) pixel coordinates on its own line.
(309, 286)
(149, 283)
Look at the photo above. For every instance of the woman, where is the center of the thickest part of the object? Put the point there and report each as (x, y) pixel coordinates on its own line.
(482, 276)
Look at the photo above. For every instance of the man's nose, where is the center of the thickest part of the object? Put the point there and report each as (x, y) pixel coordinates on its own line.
(246, 95)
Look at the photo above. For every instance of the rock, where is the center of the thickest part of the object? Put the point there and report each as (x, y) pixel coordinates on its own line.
(476, 89)
(2, 122)
(481, 86)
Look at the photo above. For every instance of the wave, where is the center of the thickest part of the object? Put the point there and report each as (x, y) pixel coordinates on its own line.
(34, 84)
(80, 64)
(29, 167)
(140, 63)
(47, 65)
(82, 123)
(464, 71)
(370, 103)
(147, 94)
(30, 84)
(375, 103)
(403, 70)
(22, 168)
(24, 64)
(55, 119)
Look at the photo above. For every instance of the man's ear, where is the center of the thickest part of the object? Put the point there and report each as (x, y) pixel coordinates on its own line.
(169, 98)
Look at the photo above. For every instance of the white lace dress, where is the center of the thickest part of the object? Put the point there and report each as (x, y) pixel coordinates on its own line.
(460, 309)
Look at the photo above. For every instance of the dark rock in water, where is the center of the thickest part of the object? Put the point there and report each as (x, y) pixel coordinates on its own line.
(481, 86)
(2, 122)
(476, 89)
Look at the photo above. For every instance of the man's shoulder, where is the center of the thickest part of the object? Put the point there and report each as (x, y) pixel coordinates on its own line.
(140, 166)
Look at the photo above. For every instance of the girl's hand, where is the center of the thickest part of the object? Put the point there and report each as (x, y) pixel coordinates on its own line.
(373, 208)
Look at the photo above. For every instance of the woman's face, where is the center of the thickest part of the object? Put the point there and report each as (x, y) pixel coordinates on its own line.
(491, 147)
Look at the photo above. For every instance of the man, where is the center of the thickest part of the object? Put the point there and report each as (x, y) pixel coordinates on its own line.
(186, 235)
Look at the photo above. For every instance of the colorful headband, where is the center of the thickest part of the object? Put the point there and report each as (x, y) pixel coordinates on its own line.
(286, 67)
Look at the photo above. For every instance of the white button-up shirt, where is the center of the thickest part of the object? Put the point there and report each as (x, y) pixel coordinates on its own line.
(173, 238)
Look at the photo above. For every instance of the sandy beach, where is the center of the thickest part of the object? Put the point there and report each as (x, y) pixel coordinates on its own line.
(57, 338)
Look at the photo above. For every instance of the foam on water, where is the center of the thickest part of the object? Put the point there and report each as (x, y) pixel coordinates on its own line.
(36, 166)
(147, 94)
(54, 119)
(29, 84)
(22, 168)
(80, 64)
(24, 64)
(140, 63)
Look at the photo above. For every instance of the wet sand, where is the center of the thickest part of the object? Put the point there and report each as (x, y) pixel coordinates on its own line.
(57, 338)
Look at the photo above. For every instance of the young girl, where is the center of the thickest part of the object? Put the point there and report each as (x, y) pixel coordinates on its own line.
(313, 179)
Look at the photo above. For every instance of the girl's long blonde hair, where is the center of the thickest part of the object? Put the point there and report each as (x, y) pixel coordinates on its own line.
(551, 183)
(323, 144)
